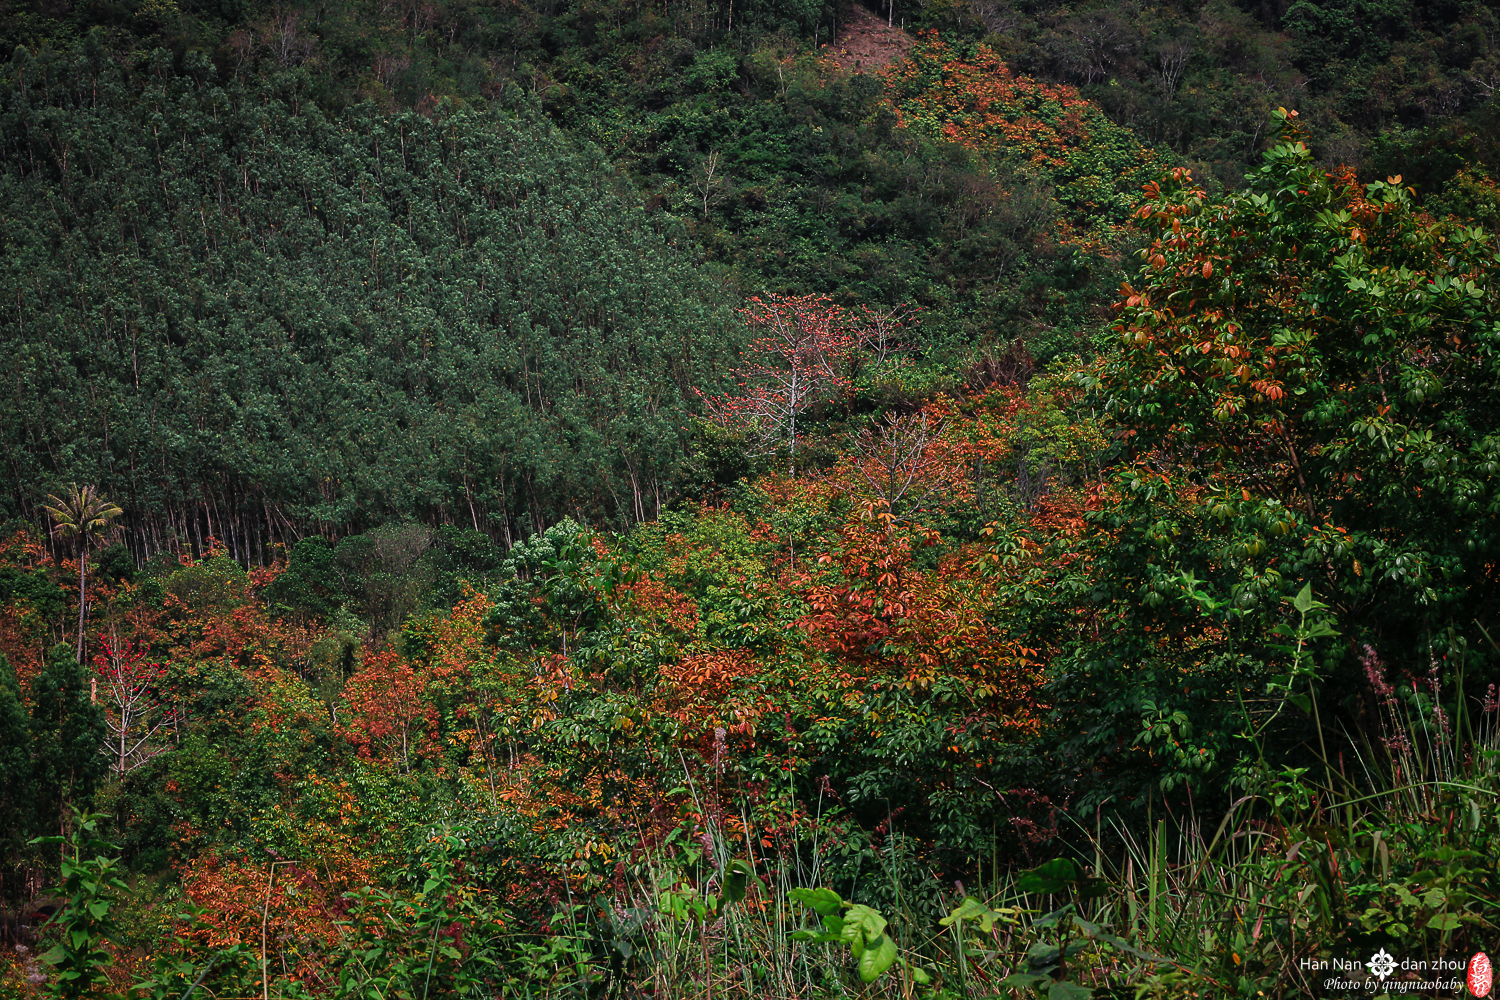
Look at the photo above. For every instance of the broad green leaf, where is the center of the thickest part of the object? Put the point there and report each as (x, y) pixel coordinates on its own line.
(877, 958)
(1303, 602)
(1052, 877)
(823, 901)
(1024, 980)
(870, 922)
(736, 878)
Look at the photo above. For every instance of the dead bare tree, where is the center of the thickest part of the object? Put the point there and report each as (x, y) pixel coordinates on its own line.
(902, 462)
(881, 332)
(1484, 77)
(712, 185)
(1173, 62)
(998, 16)
(281, 34)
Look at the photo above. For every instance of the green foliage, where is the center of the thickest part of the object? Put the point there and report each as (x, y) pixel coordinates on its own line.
(486, 316)
(1315, 412)
(858, 926)
(218, 583)
(85, 925)
(441, 941)
(1203, 77)
(553, 566)
(308, 585)
(174, 975)
(422, 352)
(35, 590)
(67, 729)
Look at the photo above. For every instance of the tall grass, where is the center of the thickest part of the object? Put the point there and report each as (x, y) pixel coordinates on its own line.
(1391, 846)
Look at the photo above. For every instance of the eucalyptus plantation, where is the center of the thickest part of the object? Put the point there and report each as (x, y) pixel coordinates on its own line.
(245, 319)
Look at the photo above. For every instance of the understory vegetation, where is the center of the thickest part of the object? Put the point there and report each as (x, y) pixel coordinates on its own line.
(605, 500)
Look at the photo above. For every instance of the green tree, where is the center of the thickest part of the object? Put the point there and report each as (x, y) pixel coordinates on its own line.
(1307, 391)
(91, 887)
(83, 514)
(1319, 344)
(67, 736)
(17, 788)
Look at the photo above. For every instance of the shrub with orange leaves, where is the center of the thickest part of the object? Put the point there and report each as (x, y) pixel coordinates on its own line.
(297, 905)
(388, 718)
(961, 92)
(29, 603)
(700, 687)
(889, 624)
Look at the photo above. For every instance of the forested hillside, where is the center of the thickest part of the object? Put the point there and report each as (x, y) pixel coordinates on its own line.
(249, 318)
(767, 499)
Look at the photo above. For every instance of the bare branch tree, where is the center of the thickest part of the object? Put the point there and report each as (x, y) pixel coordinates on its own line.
(712, 186)
(881, 332)
(798, 358)
(280, 34)
(135, 712)
(1173, 62)
(905, 466)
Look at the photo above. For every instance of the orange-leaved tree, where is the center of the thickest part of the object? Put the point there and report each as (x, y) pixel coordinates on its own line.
(391, 718)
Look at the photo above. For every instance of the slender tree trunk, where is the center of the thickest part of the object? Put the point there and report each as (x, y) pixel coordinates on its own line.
(791, 462)
(83, 559)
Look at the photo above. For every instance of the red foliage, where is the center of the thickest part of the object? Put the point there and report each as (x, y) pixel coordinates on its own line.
(888, 624)
(797, 359)
(388, 718)
(24, 635)
(137, 709)
(658, 604)
(700, 687)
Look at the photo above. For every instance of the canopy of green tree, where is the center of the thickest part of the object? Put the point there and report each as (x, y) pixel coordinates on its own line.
(222, 300)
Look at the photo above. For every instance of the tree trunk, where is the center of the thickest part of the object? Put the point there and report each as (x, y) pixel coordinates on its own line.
(83, 558)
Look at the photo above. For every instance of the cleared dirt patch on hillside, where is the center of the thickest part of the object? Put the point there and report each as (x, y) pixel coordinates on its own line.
(866, 44)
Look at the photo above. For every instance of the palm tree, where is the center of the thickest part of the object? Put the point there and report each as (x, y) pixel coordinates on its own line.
(83, 513)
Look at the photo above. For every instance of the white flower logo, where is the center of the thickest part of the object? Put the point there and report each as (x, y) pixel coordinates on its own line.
(1382, 964)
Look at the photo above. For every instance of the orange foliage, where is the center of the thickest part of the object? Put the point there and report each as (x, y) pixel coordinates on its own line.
(458, 637)
(966, 95)
(24, 636)
(888, 624)
(979, 103)
(297, 905)
(660, 605)
(701, 689)
(388, 718)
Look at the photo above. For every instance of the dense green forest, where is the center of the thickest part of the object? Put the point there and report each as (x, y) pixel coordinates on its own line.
(951, 499)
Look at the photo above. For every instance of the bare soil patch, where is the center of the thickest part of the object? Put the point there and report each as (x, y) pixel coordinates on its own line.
(866, 44)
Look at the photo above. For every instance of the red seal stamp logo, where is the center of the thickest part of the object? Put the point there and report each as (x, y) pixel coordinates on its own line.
(1481, 976)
